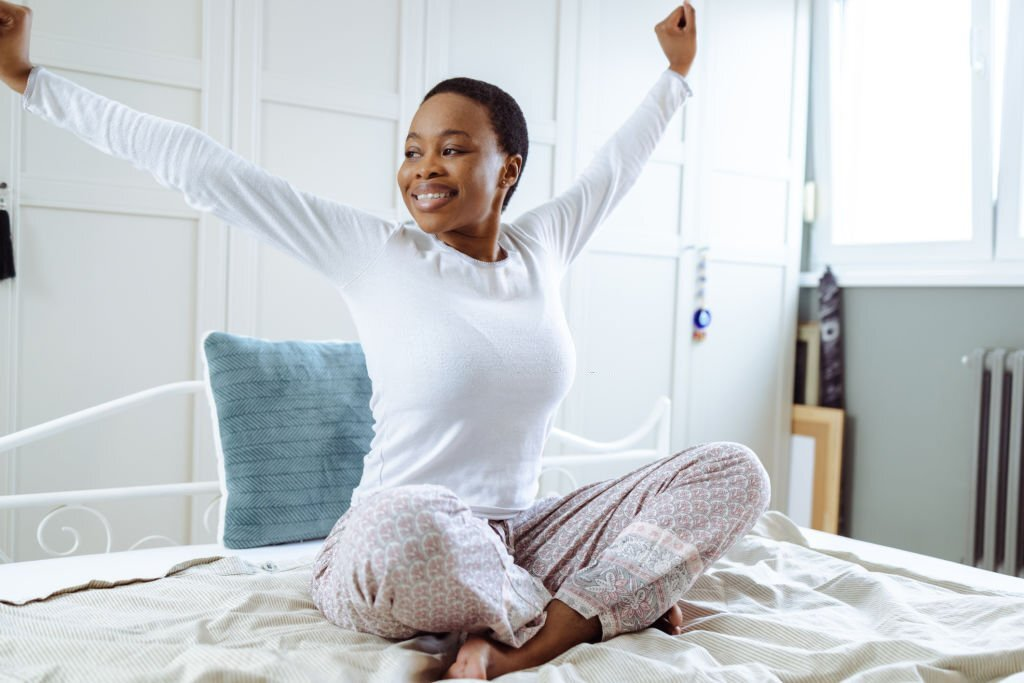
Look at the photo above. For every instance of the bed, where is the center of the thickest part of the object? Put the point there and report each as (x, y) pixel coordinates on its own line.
(785, 603)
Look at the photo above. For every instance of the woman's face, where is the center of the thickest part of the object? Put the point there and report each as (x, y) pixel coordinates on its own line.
(452, 150)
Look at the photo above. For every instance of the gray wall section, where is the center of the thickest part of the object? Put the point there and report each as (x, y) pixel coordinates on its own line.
(908, 403)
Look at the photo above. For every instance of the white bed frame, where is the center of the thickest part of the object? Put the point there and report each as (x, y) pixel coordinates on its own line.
(596, 460)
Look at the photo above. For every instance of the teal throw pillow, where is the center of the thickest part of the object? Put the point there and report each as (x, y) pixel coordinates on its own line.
(291, 423)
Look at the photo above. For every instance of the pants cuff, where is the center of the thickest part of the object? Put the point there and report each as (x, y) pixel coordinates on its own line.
(525, 599)
(610, 626)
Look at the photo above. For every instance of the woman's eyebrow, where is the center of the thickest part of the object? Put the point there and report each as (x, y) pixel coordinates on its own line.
(444, 133)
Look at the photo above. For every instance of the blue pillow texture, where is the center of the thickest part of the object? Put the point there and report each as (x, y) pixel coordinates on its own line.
(292, 423)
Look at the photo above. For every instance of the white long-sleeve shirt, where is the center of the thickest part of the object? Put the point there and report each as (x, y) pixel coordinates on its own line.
(468, 359)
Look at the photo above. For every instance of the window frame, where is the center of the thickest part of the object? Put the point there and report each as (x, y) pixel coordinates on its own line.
(1009, 218)
(976, 261)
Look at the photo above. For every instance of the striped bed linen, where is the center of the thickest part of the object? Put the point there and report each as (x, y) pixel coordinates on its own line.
(772, 608)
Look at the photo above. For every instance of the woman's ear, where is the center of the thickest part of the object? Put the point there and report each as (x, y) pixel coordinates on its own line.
(512, 168)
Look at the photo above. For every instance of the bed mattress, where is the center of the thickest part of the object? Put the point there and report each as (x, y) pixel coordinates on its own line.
(785, 603)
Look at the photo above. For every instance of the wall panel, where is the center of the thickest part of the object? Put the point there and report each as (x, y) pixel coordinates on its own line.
(343, 44)
(514, 48)
(344, 157)
(734, 371)
(96, 324)
(147, 26)
(625, 342)
(752, 76)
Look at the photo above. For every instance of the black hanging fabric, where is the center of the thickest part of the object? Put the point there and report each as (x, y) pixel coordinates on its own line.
(6, 247)
(830, 309)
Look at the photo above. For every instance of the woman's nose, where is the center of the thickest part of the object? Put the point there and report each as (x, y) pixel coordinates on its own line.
(429, 166)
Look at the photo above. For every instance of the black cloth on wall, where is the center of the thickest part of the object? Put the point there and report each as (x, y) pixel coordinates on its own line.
(6, 247)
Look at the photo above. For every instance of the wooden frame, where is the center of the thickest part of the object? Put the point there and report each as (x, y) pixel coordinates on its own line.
(810, 334)
(825, 426)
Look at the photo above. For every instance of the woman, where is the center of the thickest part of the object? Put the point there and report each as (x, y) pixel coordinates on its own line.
(469, 354)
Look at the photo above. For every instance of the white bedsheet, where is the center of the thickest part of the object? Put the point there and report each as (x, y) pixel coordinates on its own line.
(881, 556)
(773, 608)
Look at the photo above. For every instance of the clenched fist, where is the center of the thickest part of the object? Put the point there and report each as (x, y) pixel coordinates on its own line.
(15, 27)
(679, 44)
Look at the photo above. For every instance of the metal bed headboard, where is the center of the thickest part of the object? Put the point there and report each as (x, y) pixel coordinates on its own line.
(590, 452)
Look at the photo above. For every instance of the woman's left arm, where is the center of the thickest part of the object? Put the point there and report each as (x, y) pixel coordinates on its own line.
(565, 223)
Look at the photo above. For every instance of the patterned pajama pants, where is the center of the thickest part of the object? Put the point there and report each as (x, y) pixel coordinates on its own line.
(414, 559)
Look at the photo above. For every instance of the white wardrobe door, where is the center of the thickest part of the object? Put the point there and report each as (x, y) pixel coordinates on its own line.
(754, 57)
(107, 297)
(318, 101)
(625, 287)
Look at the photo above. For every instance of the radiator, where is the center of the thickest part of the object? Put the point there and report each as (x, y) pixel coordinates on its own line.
(995, 528)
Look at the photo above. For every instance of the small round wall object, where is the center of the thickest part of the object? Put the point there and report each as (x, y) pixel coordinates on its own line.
(701, 318)
(701, 315)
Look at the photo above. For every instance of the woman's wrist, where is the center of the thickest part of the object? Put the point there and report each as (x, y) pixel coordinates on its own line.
(679, 69)
(18, 80)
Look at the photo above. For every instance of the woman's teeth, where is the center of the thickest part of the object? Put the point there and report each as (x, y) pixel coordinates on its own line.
(436, 195)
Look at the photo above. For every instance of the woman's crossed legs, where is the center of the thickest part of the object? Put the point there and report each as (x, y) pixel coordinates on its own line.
(619, 553)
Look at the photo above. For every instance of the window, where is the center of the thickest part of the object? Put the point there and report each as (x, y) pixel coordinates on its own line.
(910, 161)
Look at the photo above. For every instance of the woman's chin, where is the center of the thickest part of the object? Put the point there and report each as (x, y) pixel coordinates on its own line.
(428, 222)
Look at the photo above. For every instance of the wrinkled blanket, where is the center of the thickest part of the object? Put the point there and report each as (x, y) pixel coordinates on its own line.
(771, 608)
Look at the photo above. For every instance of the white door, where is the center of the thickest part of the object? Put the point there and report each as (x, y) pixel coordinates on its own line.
(753, 77)
(727, 174)
(626, 287)
(112, 270)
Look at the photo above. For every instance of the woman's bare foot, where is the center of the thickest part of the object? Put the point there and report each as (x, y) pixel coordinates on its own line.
(483, 658)
(671, 622)
(475, 659)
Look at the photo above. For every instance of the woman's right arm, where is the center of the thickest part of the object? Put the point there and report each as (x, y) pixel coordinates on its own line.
(567, 222)
(336, 239)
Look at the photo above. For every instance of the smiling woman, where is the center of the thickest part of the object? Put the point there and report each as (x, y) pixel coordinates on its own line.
(465, 152)
(469, 355)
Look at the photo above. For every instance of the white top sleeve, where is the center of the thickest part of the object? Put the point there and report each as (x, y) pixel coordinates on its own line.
(337, 240)
(566, 223)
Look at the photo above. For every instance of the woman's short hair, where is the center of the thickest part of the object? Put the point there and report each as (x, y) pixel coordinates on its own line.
(507, 118)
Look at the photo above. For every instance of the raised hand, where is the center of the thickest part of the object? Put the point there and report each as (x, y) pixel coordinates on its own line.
(15, 27)
(679, 44)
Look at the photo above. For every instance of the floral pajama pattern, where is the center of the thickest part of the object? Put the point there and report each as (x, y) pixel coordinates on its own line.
(414, 559)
